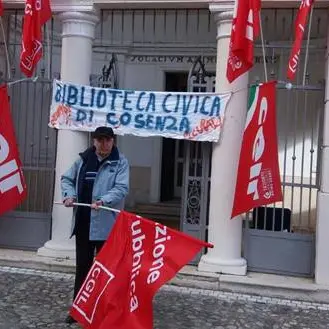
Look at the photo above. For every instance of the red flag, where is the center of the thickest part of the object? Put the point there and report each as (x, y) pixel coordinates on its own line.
(137, 259)
(258, 182)
(12, 183)
(1, 8)
(245, 28)
(300, 24)
(37, 13)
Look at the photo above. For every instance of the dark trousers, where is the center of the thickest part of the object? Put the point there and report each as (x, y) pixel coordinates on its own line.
(86, 250)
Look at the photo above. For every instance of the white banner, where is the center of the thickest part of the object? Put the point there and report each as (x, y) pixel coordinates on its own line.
(192, 116)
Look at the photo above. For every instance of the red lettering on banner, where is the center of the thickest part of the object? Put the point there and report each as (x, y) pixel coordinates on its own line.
(204, 126)
(62, 115)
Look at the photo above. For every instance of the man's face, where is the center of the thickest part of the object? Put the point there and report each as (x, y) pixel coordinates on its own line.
(103, 145)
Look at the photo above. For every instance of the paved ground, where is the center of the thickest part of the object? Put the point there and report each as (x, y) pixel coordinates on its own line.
(36, 299)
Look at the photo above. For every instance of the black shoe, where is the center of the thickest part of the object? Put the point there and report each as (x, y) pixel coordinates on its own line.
(70, 320)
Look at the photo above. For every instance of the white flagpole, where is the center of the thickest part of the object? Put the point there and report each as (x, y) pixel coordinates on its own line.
(263, 45)
(48, 52)
(6, 48)
(307, 46)
(89, 205)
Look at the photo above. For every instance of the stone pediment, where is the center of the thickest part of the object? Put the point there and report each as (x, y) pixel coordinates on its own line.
(87, 5)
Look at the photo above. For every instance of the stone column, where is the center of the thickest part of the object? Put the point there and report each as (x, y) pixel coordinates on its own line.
(77, 38)
(224, 233)
(322, 227)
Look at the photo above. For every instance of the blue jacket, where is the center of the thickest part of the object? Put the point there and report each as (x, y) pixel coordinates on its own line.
(111, 186)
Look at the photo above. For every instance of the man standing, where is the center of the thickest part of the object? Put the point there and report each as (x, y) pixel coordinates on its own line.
(99, 177)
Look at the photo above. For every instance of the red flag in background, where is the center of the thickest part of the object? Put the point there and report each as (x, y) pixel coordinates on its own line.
(300, 25)
(45, 11)
(245, 28)
(1, 8)
(12, 183)
(137, 259)
(37, 13)
(258, 182)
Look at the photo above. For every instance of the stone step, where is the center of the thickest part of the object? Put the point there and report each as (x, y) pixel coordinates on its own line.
(169, 209)
(158, 211)
(166, 213)
(155, 215)
(169, 221)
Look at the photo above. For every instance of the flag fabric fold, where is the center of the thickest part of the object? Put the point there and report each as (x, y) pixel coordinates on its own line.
(37, 13)
(245, 29)
(258, 180)
(137, 259)
(12, 184)
(300, 26)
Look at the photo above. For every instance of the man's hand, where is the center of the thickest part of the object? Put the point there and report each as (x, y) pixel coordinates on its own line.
(96, 204)
(69, 202)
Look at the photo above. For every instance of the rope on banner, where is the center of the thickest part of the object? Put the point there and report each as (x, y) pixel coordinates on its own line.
(34, 79)
(307, 46)
(263, 45)
(6, 47)
(287, 85)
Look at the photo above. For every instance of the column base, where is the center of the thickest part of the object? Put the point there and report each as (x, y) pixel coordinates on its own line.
(58, 249)
(223, 266)
(322, 241)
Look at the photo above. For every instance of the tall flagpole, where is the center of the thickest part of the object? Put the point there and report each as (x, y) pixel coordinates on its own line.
(263, 45)
(48, 51)
(6, 48)
(307, 46)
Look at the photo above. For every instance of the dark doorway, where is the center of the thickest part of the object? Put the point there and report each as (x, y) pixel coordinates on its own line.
(172, 157)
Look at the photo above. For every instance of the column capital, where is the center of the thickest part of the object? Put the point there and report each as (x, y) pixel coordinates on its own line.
(223, 15)
(72, 5)
(78, 23)
(223, 10)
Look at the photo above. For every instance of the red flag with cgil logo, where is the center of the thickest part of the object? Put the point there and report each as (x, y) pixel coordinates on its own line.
(245, 28)
(37, 13)
(258, 182)
(300, 25)
(137, 259)
(12, 183)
